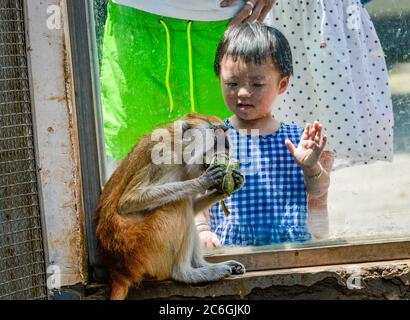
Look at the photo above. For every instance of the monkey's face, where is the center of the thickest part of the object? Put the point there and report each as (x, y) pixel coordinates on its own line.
(201, 143)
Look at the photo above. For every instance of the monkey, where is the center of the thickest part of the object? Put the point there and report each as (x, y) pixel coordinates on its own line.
(145, 214)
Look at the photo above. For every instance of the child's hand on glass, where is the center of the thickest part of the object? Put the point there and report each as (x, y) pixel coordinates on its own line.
(310, 147)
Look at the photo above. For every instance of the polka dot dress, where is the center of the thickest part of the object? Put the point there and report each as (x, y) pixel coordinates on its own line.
(340, 77)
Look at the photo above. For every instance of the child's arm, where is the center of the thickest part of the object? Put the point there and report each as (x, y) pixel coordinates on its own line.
(207, 238)
(202, 221)
(317, 180)
(307, 155)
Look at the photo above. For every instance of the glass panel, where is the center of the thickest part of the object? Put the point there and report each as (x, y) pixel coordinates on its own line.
(372, 200)
(366, 202)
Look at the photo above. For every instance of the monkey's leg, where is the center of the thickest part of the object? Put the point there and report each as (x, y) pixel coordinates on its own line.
(149, 198)
(198, 260)
(183, 270)
(208, 273)
(188, 274)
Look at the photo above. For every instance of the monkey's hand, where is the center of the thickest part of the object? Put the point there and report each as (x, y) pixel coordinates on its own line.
(238, 178)
(212, 177)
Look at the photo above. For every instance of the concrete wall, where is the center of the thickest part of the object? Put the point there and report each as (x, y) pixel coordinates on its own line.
(56, 138)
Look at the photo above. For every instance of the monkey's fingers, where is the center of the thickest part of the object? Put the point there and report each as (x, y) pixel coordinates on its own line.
(214, 167)
(216, 171)
(238, 178)
(237, 172)
(217, 179)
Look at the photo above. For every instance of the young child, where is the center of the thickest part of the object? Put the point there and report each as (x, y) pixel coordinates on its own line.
(340, 79)
(281, 162)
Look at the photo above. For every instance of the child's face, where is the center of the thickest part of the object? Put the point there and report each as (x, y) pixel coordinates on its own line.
(250, 89)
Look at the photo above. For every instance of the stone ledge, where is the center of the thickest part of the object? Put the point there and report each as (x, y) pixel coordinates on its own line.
(378, 280)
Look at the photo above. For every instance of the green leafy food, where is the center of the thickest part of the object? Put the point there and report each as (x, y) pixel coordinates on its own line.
(228, 182)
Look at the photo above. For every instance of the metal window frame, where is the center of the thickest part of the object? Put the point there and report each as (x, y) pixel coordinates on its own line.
(88, 111)
(85, 69)
(318, 253)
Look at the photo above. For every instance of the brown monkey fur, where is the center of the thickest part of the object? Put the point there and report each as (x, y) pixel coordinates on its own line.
(146, 243)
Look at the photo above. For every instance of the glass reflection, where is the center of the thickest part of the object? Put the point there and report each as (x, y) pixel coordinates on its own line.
(366, 201)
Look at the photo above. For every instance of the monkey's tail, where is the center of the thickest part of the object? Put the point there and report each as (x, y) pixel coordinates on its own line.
(120, 285)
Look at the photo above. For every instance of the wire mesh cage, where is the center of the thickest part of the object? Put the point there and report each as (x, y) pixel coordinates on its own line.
(22, 262)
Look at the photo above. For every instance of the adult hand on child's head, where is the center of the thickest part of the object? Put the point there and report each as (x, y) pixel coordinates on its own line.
(209, 240)
(310, 147)
(254, 10)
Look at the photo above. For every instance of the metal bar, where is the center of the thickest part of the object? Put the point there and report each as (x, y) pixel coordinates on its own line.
(12, 56)
(22, 242)
(19, 208)
(18, 220)
(14, 79)
(17, 149)
(18, 125)
(79, 21)
(14, 161)
(12, 44)
(20, 267)
(19, 21)
(13, 102)
(13, 67)
(16, 137)
(14, 91)
(22, 255)
(13, 173)
(21, 231)
(10, 32)
(273, 258)
(17, 184)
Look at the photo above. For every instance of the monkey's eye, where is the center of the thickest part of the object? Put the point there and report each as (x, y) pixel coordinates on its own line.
(231, 84)
(224, 127)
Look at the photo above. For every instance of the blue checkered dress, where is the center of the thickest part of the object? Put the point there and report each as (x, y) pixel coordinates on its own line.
(271, 206)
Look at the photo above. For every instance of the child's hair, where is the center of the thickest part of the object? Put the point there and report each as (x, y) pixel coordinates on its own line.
(255, 42)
